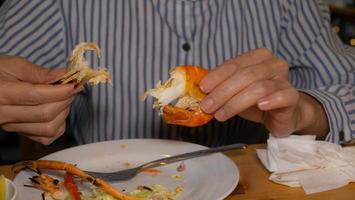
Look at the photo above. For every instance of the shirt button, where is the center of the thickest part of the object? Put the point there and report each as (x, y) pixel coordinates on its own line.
(186, 47)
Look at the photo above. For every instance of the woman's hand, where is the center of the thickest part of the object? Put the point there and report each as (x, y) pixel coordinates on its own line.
(29, 105)
(255, 86)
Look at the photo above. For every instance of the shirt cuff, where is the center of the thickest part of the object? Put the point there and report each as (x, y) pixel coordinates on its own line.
(338, 118)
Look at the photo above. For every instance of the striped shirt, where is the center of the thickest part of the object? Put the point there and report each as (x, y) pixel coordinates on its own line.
(142, 40)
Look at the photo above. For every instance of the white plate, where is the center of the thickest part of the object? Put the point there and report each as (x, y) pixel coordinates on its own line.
(210, 177)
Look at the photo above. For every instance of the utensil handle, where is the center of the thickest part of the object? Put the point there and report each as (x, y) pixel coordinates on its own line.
(193, 154)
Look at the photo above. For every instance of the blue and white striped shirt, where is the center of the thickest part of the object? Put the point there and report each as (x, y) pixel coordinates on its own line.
(142, 40)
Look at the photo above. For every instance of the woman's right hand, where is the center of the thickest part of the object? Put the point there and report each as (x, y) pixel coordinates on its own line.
(29, 104)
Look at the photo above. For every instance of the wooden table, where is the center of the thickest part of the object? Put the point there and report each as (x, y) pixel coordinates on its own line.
(254, 183)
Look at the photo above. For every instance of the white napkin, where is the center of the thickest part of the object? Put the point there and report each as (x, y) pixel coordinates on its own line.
(301, 161)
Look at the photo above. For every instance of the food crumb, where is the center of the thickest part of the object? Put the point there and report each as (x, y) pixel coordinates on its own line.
(181, 167)
(178, 190)
(151, 171)
(177, 177)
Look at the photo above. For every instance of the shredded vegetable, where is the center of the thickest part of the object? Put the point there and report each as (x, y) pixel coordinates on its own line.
(96, 194)
(154, 192)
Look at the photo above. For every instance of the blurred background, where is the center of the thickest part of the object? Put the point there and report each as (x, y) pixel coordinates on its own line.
(343, 19)
(14, 147)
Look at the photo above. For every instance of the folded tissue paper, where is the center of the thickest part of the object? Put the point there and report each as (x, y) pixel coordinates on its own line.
(302, 161)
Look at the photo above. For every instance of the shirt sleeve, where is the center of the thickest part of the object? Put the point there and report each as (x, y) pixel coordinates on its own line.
(320, 65)
(33, 29)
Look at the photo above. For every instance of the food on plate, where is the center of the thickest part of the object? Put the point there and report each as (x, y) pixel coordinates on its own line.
(55, 189)
(181, 167)
(183, 90)
(155, 192)
(177, 177)
(151, 171)
(68, 188)
(78, 68)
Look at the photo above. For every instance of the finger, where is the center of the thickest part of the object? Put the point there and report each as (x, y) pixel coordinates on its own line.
(55, 75)
(248, 98)
(282, 116)
(42, 129)
(21, 69)
(48, 140)
(222, 72)
(242, 78)
(21, 93)
(281, 99)
(33, 114)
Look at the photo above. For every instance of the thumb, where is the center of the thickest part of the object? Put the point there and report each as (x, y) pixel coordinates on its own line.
(42, 75)
(26, 71)
(55, 74)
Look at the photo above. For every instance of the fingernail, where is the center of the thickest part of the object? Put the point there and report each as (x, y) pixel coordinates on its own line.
(78, 89)
(204, 86)
(220, 115)
(263, 104)
(207, 104)
(69, 86)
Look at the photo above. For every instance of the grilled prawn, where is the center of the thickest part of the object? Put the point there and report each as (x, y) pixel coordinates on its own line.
(55, 188)
(183, 88)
